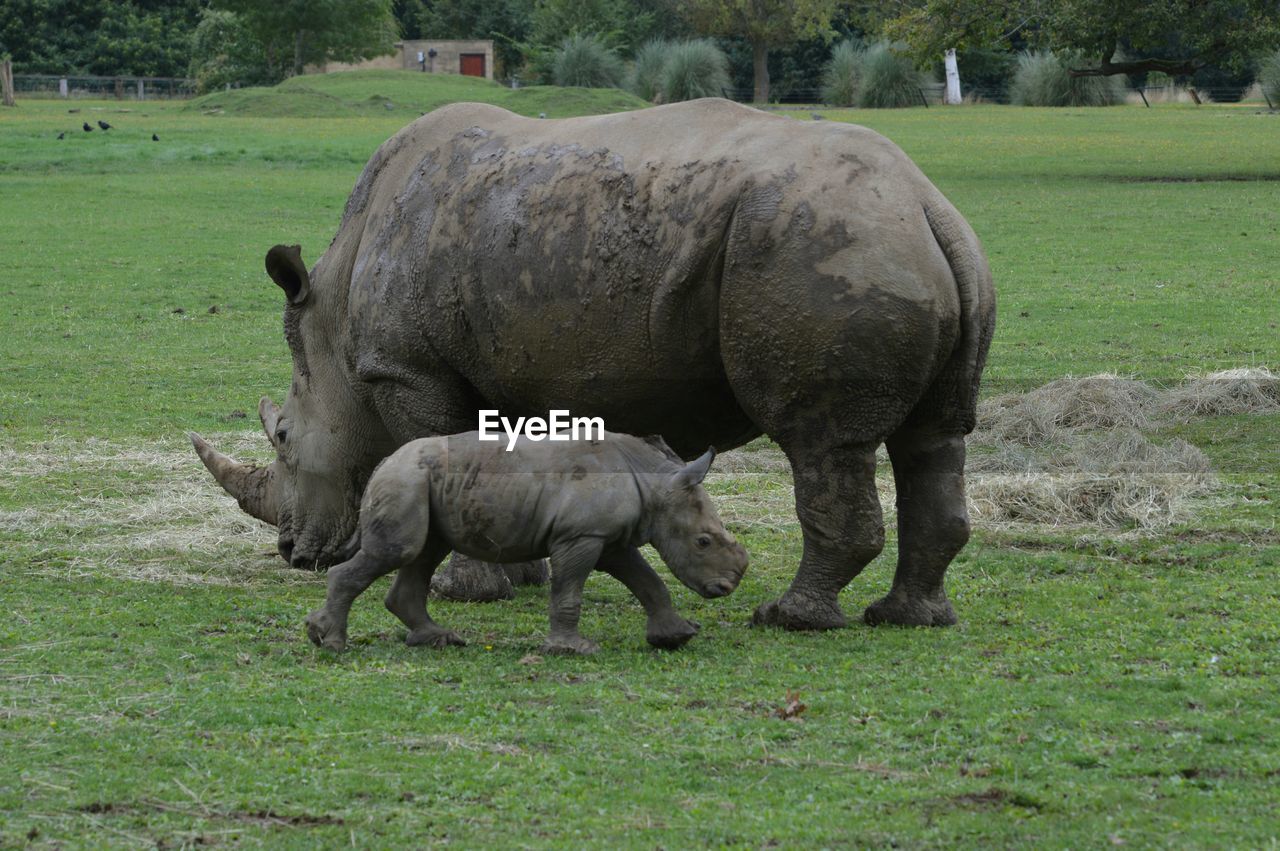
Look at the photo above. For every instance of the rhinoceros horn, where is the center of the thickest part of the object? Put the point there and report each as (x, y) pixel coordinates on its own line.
(250, 485)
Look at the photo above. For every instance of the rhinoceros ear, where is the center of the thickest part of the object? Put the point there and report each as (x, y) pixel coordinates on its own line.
(269, 413)
(285, 266)
(695, 471)
(656, 441)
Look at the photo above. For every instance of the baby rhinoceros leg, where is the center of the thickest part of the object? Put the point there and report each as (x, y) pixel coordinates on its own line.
(407, 599)
(665, 629)
(393, 535)
(327, 625)
(571, 563)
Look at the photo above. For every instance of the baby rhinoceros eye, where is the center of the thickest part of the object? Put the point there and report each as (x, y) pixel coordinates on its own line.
(702, 542)
(282, 434)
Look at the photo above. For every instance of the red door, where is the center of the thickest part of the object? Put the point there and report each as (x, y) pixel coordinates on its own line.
(472, 64)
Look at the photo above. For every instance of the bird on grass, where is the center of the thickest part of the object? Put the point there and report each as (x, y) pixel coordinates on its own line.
(104, 125)
(62, 135)
(87, 128)
(155, 138)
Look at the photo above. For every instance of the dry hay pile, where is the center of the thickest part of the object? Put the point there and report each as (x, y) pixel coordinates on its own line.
(1247, 390)
(1115, 479)
(1098, 402)
(1070, 452)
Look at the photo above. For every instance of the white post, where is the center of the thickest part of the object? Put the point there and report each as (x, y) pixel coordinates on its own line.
(62, 88)
(141, 92)
(953, 78)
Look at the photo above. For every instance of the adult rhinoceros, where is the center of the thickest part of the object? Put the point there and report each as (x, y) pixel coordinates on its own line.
(703, 271)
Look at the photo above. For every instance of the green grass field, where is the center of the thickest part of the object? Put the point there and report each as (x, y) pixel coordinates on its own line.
(1106, 686)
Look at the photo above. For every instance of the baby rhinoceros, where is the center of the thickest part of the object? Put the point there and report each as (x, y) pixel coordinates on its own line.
(585, 503)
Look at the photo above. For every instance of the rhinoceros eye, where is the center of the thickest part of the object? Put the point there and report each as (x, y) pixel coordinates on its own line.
(282, 434)
(703, 541)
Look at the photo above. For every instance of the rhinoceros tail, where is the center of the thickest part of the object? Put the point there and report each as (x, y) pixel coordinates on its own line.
(953, 398)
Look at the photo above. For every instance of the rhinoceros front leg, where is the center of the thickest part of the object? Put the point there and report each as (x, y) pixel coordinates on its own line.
(933, 525)
(470, 581)
(327, 625)
(666, 629)
(843, 529)
(571, 564)
(407, 600)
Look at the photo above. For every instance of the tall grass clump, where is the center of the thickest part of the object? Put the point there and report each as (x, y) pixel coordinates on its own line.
(1041, 79)
(694, 69)
(888, 79)
(645, 78)
(586, 61)
(1269, 77)
(842, 76)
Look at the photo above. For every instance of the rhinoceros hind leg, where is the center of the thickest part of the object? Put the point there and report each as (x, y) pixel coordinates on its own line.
(933, 525)
(665, 629)
(843, 530)
(470, 581)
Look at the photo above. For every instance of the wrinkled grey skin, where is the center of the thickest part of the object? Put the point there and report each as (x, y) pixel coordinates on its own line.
(586, 504)
(702, 270)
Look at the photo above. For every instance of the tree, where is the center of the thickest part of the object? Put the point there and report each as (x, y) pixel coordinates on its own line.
(109, 37)
(1176, 37)
(764, 24)
(223, 50)
(295, 33)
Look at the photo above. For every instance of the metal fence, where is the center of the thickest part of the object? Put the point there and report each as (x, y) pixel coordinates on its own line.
(931, 94)
(103, 88)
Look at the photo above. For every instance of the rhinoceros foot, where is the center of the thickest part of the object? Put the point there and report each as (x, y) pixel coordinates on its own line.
(434, 636)
(324, 630)
(471, 581)
(568, 645)
(791, 611)
(535, 572)
(670, 632)
(899, 609)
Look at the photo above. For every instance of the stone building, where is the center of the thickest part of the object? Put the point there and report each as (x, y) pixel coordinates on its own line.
(471, 58)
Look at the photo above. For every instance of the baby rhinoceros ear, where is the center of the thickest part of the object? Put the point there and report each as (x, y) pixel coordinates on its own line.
(695, 471)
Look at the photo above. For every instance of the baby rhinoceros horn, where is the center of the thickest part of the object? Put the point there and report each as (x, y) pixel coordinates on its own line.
(250, 485)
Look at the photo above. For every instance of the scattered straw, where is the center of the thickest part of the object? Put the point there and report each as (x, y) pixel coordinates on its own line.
(149, 511)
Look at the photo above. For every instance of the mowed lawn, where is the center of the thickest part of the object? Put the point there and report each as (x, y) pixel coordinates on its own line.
(1105, 686)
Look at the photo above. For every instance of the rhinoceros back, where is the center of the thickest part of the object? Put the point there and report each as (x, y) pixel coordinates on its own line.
(580, 263)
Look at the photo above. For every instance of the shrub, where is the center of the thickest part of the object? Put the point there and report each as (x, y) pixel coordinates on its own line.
(694, 69)
(586, 61)
(1041, 79)
(888, 79)
(1269, 77)
(645, 79)
(985, 73)
(842, 74)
